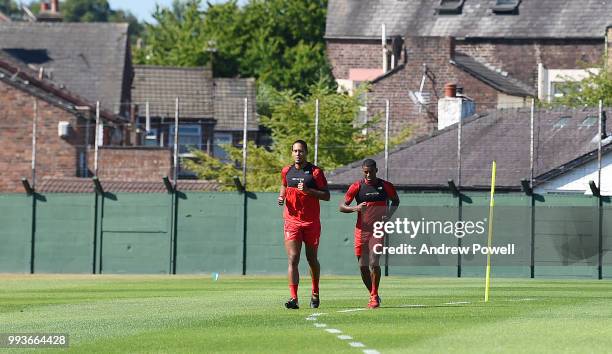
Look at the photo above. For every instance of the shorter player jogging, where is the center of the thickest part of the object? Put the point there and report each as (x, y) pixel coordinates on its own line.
(372, 195)
(303, 185)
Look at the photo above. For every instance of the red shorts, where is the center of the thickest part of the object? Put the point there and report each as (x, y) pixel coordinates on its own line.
(307, 233)
(365, 242)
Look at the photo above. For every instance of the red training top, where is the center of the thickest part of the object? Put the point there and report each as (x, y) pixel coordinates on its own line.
(301, 208)
(375, 194)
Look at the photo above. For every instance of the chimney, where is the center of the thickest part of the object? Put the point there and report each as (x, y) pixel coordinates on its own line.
(452, 108)
(44, 6)
(49, 11)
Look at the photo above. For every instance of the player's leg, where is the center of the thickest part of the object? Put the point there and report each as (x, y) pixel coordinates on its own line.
(363, 260)
(311, 240)
(375, 272)
(293, 247)
(364, 269)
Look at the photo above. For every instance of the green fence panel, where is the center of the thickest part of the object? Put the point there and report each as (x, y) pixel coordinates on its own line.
(265, 242)
(607, 237)
(136, 230)
(15, 233)
(511, 233)
(210, 233)
(415, 206)
(337, 250)
(64, 233)
(566, 236)
(265, 246)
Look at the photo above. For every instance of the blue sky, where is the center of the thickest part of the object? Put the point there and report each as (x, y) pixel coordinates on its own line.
(144, 8)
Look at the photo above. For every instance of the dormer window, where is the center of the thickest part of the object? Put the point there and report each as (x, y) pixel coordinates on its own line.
(450, 7)
(506, 6)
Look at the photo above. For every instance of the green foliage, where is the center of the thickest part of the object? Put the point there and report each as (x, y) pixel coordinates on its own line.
(10, 8)
(93, 11)
(292, 117)
(587, 93)
(280, 42)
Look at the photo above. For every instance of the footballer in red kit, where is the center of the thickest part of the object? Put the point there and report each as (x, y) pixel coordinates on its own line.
(302, 186)
(372, 195)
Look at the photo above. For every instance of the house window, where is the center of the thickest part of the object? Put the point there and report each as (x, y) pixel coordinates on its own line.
(506, 6)
(221, 141)
(150, 138)
(189, 137)
(589, 121)
(559, 89)
(450, 7)
(562, 122)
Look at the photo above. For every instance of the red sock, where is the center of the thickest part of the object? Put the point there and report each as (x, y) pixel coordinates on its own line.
(294, 290)
(374, 291)
(315, 286)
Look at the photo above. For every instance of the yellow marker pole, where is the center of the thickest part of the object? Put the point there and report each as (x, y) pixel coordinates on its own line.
(490, 237)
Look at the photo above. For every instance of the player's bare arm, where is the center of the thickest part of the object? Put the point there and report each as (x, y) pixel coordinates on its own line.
(346, 208)
(281, 195)
(394, 204)
(317, 193)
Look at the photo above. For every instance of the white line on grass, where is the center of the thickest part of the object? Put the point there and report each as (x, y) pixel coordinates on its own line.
(457, 303)
(314, 317)
(522, 299)
(414, 305)
(353, 310)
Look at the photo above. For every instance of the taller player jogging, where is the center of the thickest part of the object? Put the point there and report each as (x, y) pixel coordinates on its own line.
(302, 186)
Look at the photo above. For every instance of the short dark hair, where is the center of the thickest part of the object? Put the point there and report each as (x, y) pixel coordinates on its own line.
(369, 163)
(300, 141)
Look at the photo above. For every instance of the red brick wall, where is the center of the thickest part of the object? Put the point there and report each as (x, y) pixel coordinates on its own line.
(520, 58)
(132, 163)
(436, 53)
(55, 157)
(348, 54)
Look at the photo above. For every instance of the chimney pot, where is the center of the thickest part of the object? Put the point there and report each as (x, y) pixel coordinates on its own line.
(450, 90)
(55, 6)
(44, 6)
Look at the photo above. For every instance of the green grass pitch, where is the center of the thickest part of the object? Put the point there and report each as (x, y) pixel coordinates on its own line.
(186, 314)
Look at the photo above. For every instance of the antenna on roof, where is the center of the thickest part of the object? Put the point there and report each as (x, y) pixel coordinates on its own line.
(420, 98)
(29, 15)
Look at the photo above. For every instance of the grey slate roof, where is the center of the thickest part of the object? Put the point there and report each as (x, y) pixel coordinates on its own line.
(88, 58)
(502, 135)
(501, 82)
(200, 95)
(17, 74)
(229, 104)
(535, 19)
(160, 85)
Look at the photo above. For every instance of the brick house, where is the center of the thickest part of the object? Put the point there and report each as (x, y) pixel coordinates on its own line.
(64, 135)
(211, 110)
(501, 52)
(91, 59)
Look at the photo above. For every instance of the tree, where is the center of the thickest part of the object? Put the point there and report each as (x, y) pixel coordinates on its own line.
(10, 8)
(279, 42)
(292, 117)
(94, 11)
(587, 93)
